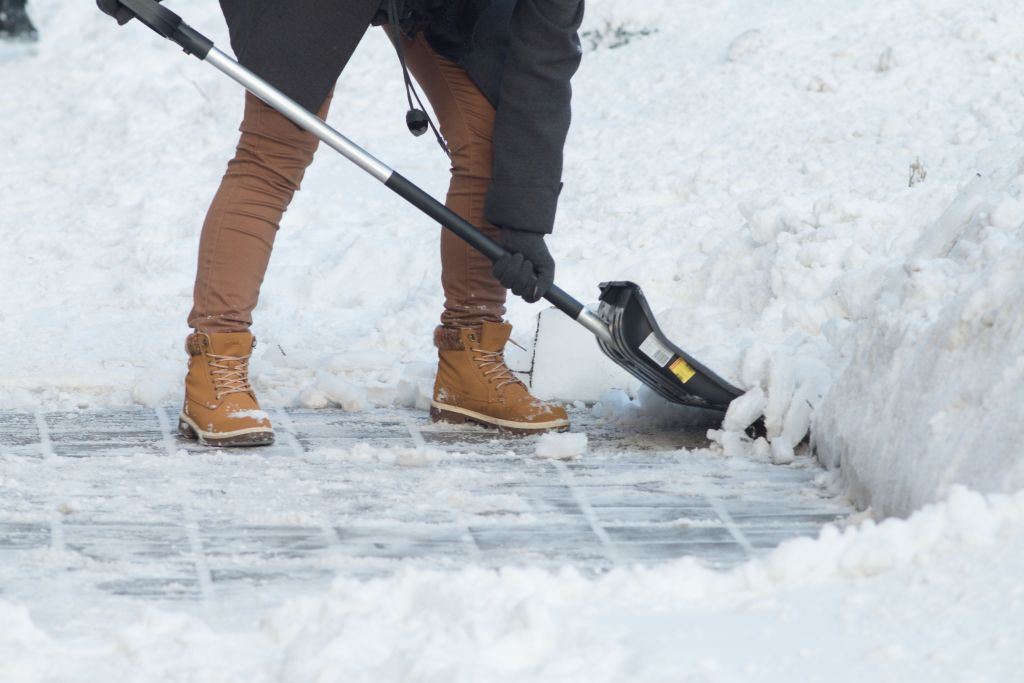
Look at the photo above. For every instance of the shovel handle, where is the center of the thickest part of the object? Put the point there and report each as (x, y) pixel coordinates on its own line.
(469, 233)
(169, 25)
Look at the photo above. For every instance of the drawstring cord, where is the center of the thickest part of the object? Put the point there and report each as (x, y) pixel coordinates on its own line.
(410, 89)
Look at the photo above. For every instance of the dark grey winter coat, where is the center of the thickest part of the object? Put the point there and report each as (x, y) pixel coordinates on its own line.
(521, 53)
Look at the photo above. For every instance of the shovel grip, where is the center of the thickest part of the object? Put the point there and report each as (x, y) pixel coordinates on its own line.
(169, 25)
(466, 231)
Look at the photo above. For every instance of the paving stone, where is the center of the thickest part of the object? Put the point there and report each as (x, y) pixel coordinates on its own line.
(658, 535)
(260, 543)
(639, 515)
(716, 555)
(165, 588)
(161, 544)
(244, 579)
(17, 429)
(24, 536)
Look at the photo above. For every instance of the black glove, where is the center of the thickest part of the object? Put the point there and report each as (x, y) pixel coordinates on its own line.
(116, 10)
(529, 270)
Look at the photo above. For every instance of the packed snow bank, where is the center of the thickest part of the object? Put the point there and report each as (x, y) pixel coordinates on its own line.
(949, 574)
(933, 392)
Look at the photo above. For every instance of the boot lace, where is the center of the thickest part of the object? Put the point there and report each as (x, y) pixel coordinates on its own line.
(493, 365)
(230, 375)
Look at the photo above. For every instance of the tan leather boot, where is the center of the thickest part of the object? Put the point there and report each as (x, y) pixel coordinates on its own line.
(474, 384)
(220, 406)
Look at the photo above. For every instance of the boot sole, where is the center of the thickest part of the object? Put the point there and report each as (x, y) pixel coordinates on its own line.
(254, 436)
(440, 412)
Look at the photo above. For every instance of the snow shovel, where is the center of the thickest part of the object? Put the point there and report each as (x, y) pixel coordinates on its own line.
(623, 325)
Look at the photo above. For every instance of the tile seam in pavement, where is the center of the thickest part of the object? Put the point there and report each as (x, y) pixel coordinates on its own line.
(733, 528)
(727, 520)
(291, 436)
(607, 544)
(202, 568)
(50, 458)
(468, 539)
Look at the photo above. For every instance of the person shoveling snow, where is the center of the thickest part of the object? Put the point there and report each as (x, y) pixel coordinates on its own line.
(508, 72)
(499, 84)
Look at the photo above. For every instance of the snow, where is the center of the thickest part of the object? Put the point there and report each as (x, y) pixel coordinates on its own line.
(250, 414)
(827, 208)
(839, 606)
(561, 446)
(944, 336)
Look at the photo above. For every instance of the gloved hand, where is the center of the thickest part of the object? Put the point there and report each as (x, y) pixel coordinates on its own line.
(529, 270)
(116, 10)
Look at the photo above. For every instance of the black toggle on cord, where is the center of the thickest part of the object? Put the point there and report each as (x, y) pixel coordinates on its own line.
(417, 119)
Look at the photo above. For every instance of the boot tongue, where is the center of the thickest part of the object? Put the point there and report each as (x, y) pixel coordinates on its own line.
(231, 344)
(493, 336)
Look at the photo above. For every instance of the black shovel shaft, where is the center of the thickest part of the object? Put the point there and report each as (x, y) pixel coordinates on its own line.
(169, 25)
(466, 231)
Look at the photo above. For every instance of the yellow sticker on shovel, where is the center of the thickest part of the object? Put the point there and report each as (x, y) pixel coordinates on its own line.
(681, 369)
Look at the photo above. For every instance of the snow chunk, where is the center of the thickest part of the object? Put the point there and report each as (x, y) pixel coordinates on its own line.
(419, 456)
(149, 393)
(250, 414)
(561, 446)
(745, 410)
(745, 46)
(1008, 214)
(334, 390)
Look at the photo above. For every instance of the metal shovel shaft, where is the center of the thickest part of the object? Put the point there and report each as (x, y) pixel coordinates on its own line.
(299, 115)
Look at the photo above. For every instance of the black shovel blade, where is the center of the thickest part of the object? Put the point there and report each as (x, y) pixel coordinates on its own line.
(640, 347)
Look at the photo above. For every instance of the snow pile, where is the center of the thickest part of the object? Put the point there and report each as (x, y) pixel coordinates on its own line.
(24, 648)
(809, 166)
(561, 446)
(932, 394)
(950, 566)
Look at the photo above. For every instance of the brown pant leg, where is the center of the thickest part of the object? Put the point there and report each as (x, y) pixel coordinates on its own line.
(238, 235)
(466, 119)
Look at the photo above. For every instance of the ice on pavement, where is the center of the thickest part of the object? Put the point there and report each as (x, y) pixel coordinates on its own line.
(561, 446)
(113, 514)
